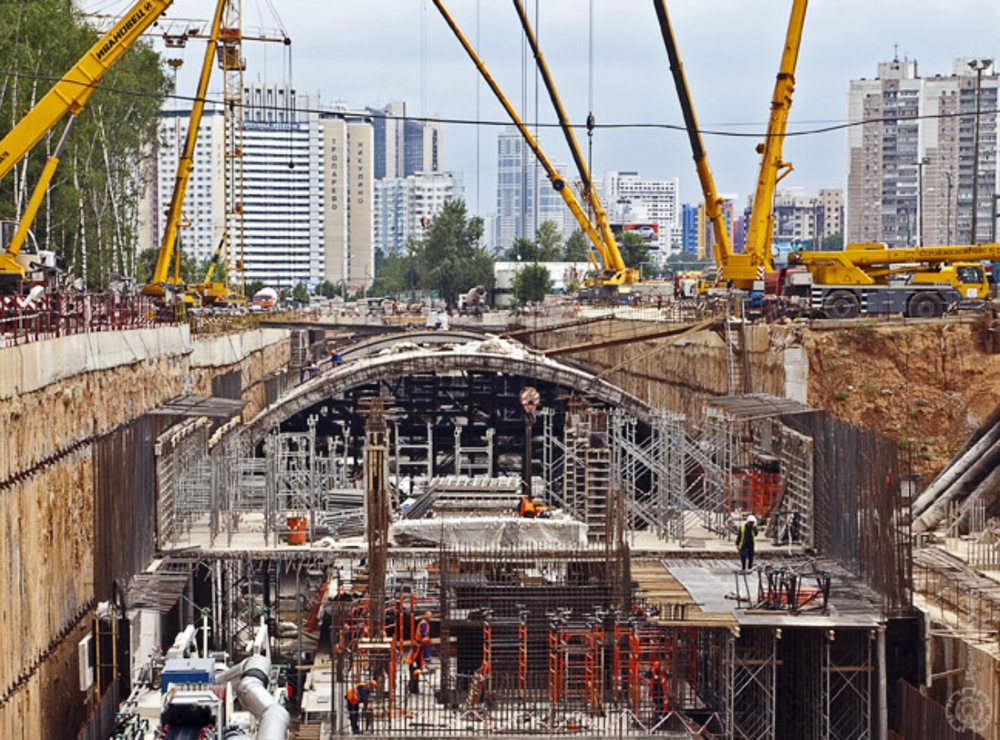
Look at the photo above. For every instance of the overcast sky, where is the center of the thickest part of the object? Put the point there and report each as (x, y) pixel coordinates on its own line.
(370, 52)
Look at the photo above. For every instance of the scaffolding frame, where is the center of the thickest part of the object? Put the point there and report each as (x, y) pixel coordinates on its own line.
(847, 684)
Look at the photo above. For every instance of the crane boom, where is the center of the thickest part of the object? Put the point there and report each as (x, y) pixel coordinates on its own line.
(185, 165)
(722, 247)
(742, 270)
(558, 183)
(71, 93)
(68, 95)
(611, 257)
(772, 168)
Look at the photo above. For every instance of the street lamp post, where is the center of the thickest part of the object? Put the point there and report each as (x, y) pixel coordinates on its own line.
(977, 65)
(920, 199)
(947, 218)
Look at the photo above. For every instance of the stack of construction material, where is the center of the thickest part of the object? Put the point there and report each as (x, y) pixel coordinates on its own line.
(972, 476)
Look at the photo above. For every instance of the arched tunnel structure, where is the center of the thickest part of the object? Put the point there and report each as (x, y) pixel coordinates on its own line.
(447, 391)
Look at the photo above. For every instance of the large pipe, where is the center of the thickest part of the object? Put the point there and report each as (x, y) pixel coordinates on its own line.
(959, 489)
(955, 470)
(182, 642)
(251, 690)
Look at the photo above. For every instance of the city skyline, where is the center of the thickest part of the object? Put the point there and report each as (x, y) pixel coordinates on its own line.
(401, 50)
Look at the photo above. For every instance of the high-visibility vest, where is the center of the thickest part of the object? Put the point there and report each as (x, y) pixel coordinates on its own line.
(743, 540)
(355, 694)
(527, 507)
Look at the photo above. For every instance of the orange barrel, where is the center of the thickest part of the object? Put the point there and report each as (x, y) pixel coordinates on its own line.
(297, 530)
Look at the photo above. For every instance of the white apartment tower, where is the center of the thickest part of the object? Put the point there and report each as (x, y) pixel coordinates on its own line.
(203, 216)
(405, 205)
(912, 169)
(629, 198)
(281, 195)
(525, 197)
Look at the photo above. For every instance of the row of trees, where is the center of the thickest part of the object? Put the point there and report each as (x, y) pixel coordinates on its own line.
(90, 214)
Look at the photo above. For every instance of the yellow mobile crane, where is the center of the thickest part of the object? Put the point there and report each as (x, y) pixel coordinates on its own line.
(744, 271)
(866, 279)
(161, 281)
(615, 273)
(608, 261)
(68, 95)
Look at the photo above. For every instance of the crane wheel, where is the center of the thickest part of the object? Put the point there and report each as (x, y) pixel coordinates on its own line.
(925, 306)
(841, 304)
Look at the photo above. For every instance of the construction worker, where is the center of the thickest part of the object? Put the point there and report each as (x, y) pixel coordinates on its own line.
(356, 696)
(527, 508)
(422, 639)
(746, 540)
(658, 680)
(415, 673)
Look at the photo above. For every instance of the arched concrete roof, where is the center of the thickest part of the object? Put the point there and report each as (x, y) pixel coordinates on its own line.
(511, 359)
(433, 337)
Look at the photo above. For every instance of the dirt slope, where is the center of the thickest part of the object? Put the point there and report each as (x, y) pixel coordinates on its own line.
(928, 385)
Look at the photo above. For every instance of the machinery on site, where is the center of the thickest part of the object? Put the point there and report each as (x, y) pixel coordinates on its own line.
(195, 694)
(610, 271)
(861, 279)
(166, 282)
(746, 270)
(921, 282)
(18, 272)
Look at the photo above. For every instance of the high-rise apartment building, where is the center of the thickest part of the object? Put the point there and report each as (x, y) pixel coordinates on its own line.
(525, 197)
(629, 198)
(305, 196)
(304, 210)
(914, 167)
(405, 205)
(282, 234)
(403, 147)
(800, 218)
(203, 216)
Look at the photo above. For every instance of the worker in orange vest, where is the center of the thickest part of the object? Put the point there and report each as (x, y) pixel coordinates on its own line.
(357, 695)
(658, 681)
(421, 651)
(527, 508)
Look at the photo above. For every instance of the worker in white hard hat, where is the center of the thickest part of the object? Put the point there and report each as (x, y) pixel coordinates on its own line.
(746, 540)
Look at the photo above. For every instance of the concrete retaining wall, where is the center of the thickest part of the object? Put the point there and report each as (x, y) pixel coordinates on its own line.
(57, 399)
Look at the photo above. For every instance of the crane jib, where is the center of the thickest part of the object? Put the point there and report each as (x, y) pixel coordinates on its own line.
(121, 32)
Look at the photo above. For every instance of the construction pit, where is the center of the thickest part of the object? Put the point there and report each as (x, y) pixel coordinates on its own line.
(395, 478)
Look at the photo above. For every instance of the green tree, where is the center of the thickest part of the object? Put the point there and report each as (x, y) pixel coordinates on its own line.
(634, 249)
(576, 248)
(395, 273)
(253, 287)
(90, 212)
(301, 293)
(523, 250)
(326, 289)
(192, 271)
(832, 243)
(531, 284)
(548, 241)
(448, 258)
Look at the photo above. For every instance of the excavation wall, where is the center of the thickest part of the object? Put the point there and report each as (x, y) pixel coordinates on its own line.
(928, 385)
(76, 491)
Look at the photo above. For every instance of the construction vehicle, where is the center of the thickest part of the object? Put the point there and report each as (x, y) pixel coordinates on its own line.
(610, 271)
(745, 271)
(862, 279)
(865, 279)
(68, 95)
(166, 284)
(216, 293)
(615, 274)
